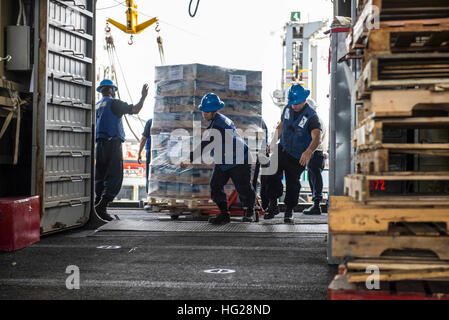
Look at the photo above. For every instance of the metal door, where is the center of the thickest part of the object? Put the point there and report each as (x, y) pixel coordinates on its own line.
(64, 108)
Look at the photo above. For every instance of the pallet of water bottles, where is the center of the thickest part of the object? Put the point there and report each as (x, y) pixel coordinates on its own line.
(196, 80)
(177, 121)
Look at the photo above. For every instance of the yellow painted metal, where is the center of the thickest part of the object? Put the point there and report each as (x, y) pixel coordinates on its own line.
(297, 82)
(132, 27)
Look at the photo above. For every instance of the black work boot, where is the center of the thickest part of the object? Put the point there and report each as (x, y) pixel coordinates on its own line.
(248, 216)
(273, 210)
(100, 209)
(288, 216)
(313, 210)
(223, 218)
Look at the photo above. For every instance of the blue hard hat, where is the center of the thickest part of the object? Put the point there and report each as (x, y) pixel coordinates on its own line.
(106, 82)
(210, 103)
(297, 94)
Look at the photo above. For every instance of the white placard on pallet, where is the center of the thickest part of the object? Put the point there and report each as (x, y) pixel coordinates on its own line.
(237, 82)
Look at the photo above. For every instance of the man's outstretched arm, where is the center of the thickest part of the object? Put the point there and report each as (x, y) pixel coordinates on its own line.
(136, 108)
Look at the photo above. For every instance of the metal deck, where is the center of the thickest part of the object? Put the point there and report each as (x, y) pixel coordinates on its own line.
(138, 220)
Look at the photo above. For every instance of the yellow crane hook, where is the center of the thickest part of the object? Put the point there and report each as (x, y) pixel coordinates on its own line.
(132, 27)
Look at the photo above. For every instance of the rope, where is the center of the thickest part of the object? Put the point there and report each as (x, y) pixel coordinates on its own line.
(15, 98)
(110, 47)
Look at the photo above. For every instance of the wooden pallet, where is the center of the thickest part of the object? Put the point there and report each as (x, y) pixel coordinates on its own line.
(176, 203)
(382, 161)
(409, 38)
(395, 264)
(345, 246)
(373, 161)
(341, 289)
(347, 216)
(372, 132)
(405, 103)
(399, 8)
(391, 269)
(413, 148)
(391, 37)
(388, 189)
(389, 14)
(403, 70)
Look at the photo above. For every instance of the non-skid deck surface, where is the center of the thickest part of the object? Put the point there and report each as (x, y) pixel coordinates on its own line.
(272, 226)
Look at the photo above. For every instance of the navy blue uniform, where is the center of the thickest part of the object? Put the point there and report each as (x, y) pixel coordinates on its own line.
(295, 139)
(238, 168)
(147, 134)
(315, 168)
(109, 156)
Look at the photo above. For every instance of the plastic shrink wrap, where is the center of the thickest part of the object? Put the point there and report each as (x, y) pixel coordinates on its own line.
(179, 90)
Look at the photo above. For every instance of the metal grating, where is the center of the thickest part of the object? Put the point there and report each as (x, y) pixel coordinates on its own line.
(194, 226)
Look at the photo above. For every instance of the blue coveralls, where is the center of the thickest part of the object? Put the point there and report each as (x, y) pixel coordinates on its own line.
(147, 134)
(315, 168)
(109, 155)
(240, 173)
(294, 140)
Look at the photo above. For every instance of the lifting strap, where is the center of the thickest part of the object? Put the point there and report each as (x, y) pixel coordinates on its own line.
(15, 98)
(110, 47)
(160, 45)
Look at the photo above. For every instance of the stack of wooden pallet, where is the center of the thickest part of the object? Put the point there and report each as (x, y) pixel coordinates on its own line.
(397, 202)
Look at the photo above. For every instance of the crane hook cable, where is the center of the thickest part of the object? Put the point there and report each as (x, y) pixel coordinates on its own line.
(196, 8)
(160, 45)
(126, 84)
(111, 50)
(110, 47)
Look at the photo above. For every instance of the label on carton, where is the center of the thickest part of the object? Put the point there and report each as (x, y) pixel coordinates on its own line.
(237, 82)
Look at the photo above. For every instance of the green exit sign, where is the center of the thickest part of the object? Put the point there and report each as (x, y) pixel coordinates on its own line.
(295, 16)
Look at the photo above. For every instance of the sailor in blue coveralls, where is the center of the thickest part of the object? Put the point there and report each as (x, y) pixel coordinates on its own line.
(237, 167)
(299, 132)
(109, 137)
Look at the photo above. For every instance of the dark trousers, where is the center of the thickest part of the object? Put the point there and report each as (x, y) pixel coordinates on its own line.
(315, 168)
(241, 177)
(264, 196)
(108, 169)
(147, 169)
(293, 171)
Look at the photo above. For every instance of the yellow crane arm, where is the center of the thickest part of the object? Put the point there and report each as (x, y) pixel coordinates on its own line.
(146, 24)
(117, 24)
(131, 20)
